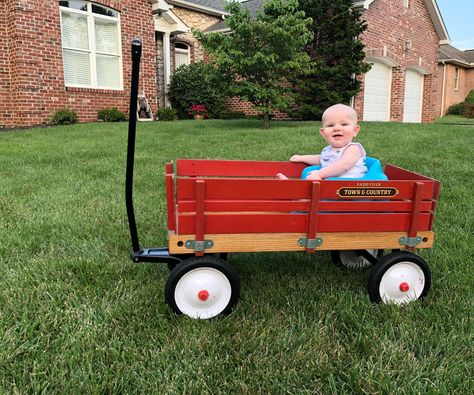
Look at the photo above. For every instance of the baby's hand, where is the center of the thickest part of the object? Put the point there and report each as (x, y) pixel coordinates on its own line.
(281, 176)
(314, 175)
(295, 158)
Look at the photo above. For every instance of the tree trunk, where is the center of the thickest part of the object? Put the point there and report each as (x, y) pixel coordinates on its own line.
(266, 121)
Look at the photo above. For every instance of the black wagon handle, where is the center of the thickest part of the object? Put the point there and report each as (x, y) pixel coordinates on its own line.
(132, 127)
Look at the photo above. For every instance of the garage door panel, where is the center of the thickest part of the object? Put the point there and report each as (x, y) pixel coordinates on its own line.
(413, 96)
(377, 93)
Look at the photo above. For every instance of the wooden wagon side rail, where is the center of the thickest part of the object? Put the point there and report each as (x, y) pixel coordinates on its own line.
(219, 207)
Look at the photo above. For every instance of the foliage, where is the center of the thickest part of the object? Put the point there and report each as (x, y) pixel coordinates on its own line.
(336, 57)
(456, 109)
(166, 114)
(262, 52)
(198, 109)
(469, 110)
(198, 83)
(470, 97)
(111, 115)
(64, 116)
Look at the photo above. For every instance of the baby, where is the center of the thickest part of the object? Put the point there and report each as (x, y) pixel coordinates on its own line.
(341, 158)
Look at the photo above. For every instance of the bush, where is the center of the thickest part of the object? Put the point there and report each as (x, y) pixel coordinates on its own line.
(470, 97)
(456, 109)
(111, 115)
(469, 110)
(64, 116)
(198, 83)
(166, 114)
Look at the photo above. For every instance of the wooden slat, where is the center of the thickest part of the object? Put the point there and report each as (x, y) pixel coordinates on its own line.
(237, 168)
(287, 222)
(303, 205)
(289, 241)
(256, 189)
(313, 212)
(170, 202)
(200, 216)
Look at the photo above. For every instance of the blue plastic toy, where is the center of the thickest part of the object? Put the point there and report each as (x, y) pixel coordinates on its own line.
(374, 172)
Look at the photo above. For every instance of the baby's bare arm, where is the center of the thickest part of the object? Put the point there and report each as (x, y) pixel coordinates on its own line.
(308, 159)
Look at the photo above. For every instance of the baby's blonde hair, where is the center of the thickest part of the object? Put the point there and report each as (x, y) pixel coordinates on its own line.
(349, 110)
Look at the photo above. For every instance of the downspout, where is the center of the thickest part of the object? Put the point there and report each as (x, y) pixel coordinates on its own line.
(443, 89)
(166, 64)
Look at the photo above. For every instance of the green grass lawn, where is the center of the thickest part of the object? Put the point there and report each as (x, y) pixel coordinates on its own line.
(77, 316)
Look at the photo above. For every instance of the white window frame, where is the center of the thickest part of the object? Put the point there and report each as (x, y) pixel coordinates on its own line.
(182, 51)
(457, 77)
(90, 16)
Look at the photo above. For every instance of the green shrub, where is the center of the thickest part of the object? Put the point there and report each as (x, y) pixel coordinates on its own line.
(64, 116)
(111, 115)
(166, 114)
(469, 110)
(456, 109)
(470, 97)
(198, 83)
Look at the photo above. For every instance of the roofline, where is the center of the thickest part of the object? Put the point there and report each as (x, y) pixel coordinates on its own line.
(434, 12)
(456, 62)
(197, 7)
(438, 21)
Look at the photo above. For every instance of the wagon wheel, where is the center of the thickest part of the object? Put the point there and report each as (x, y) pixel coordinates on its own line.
(354, 259)
(202, 287)
(400, 277)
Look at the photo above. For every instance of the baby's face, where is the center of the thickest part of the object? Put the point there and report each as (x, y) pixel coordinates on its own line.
(339, 127)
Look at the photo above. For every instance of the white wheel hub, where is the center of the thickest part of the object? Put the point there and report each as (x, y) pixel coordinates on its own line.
(203, 293)
(352, 260)
(402, 283)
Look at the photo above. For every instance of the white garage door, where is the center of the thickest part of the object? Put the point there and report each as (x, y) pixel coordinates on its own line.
(413, 96)
(377, 93)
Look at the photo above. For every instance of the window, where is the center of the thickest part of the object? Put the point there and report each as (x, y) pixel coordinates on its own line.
(181, 55)
(405, 3)
(456, 79)
(92, 53)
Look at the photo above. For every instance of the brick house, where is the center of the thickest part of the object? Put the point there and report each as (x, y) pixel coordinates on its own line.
(456, 70)
(76, 54)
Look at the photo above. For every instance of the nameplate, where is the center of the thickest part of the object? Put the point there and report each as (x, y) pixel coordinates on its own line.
(372, 192)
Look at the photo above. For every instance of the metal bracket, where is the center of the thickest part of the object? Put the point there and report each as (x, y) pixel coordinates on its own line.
(410, 241)
(198, 246)
(310, 243)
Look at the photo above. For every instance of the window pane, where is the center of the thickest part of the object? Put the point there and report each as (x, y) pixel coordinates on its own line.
(106, 36)
(76, 68)
(77, 5)
(108, 71)
(96, 9)
(181, 59)
(74, 29)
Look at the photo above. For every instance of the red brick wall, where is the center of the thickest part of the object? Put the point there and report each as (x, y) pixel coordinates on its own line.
(390, 24)
(4, 63)
(33, 44)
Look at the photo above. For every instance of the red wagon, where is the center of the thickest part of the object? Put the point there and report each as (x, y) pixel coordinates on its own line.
(216, 207)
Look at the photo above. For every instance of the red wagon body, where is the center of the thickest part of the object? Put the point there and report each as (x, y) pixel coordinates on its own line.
(239, 206)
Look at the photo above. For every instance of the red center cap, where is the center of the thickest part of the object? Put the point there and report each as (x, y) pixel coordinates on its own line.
(404, 287)
(203, 295)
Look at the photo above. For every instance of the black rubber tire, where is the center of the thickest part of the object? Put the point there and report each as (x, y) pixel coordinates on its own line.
(336, 259)
(389, 260)
(209, 261)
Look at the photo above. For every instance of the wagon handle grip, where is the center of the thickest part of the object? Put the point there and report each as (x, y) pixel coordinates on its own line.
(132, 127)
